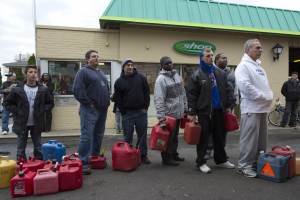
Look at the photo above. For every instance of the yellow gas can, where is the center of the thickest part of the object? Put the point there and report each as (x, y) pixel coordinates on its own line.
(7, 171)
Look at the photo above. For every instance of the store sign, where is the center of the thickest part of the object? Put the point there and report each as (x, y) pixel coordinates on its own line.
(192, 47)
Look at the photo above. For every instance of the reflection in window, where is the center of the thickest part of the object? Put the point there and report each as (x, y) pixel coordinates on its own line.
(63, 74)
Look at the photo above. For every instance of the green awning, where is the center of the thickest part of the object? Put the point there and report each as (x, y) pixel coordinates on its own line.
(202, 14)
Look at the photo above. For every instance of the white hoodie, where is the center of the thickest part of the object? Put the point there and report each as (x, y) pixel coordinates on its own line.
(252, 82)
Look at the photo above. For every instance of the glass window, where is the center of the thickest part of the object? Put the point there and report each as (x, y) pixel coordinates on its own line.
(63, 74)
(106, 69)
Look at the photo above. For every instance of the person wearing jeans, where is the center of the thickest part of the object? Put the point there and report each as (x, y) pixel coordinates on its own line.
(132, 97)
(92, 91)
(28, 103)
(291, 91)
(6, 88)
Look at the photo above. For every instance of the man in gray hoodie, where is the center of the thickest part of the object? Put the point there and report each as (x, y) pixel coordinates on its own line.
(170, 99)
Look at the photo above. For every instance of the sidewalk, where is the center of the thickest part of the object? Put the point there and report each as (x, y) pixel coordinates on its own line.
(76, 132)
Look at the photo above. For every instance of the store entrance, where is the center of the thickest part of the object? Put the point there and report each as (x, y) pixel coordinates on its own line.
(294, 60)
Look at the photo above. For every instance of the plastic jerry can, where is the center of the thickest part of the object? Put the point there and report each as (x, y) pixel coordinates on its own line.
(70, 159)
(159, 138)
(31, 164)
(298, 166)
(70, 176)
(183, 121)
(192, 133)
(287, 151)
(171, 123)
(97, 162)
(125, 157)
(273, 167)
(7, 171)
(45, 182)
(22, 183)
(231, 122)
(53, 150)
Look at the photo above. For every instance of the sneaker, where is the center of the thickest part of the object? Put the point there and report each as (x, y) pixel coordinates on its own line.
(227, 165)
(205, 169)
(177, 158)
(4, 132)
(145, 160)
(86, 171)
(247, 172)
(170, 163)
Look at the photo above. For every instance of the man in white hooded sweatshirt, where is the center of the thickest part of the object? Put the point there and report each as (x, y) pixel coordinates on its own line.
(256, 100)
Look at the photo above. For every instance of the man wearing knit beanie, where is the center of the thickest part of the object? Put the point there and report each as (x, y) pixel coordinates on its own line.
(132, 97)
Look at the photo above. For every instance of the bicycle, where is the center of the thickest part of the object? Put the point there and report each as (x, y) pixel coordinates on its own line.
(275, 116)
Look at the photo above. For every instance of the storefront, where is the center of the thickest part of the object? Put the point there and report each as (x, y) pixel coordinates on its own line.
(147, 37)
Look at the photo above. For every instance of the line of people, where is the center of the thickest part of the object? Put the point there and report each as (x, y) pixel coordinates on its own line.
(211, 91)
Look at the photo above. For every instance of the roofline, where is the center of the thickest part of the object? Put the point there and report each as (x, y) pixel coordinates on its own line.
(73, 28)
(194, 25)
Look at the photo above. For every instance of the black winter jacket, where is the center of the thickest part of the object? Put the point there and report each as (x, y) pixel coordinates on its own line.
(291, 90)
(132, 92)
(17, 103)
(199, 92)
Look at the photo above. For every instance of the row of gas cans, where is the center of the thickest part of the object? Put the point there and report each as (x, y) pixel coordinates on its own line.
(40, 177)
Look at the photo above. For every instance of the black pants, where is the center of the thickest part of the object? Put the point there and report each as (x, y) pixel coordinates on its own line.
(172, 144)
(214, 126)
(290, 113)
(22, 143)
(48, 121)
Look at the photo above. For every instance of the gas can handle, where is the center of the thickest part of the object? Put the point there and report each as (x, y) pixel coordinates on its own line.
(41, 171)
(3, 157)
(286, 148)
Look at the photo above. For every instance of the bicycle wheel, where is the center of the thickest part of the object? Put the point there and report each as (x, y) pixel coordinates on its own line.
(275, 117)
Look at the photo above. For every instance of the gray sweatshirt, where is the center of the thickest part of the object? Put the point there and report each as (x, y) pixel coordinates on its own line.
(169, 95)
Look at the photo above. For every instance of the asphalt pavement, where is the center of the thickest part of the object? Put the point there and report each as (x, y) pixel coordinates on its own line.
(158, 182)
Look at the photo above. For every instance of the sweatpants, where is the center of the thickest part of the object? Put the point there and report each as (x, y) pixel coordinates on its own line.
(253, 138)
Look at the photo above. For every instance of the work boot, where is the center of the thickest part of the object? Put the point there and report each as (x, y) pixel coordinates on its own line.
(170, 162)
(145, 160)
(177, 158)
(86, 170)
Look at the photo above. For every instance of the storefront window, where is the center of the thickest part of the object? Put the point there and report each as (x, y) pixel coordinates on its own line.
(63, 74)
(106, 69)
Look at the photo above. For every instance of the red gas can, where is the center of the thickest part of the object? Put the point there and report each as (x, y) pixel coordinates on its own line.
(22, 184)
(171, 123)
(183, 121)
(70, 159)
(159, 138)
(287, 151)
(31, 164)
(98, 162)
(125, 157)
(231, 122)
(45, 182)
(192, 133)
(70, 176)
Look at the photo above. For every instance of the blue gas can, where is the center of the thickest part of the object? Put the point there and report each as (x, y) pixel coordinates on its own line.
(53, 150)
(273, 167)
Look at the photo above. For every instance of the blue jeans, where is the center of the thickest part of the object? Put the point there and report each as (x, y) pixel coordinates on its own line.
(5, 119)
(92, 125)
(137, 119)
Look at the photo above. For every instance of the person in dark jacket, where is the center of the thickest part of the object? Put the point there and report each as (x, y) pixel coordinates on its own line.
(6, 88)
(132, 97)
(47, 82)
(208, 96)
(92, 91)
(291, 91)
(28, 103)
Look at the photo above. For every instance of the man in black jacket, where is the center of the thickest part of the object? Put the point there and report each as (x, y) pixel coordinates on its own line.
(132, 97)
(208, 98)
(291, 90)
(28, 103)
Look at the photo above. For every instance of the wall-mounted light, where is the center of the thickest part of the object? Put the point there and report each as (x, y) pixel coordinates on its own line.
(277, 51)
